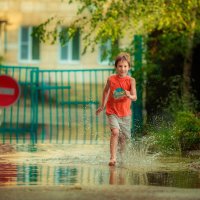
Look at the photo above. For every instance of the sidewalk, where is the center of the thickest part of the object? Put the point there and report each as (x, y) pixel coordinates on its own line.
(98, 193)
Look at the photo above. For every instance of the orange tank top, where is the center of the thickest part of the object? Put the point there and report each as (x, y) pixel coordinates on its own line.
(118, 103)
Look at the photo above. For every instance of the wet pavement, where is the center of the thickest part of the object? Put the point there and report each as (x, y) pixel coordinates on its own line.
(87, 165)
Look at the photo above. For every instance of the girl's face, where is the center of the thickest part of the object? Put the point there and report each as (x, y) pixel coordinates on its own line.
(122, 68)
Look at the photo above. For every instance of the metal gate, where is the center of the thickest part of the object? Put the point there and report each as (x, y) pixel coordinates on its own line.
(64, 104)
(56, 106)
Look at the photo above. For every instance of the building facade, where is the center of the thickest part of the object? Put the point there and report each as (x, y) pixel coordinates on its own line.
(17, 47)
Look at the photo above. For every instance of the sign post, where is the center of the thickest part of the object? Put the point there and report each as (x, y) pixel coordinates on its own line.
(9, 91)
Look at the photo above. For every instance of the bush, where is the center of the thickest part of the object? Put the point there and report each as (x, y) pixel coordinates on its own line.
(187, 130)
(165, 141)
(177, 136)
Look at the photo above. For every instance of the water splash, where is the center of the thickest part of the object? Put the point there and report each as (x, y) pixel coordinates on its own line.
(138, 154)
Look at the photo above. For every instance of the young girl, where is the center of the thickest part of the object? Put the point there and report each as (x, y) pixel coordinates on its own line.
(118, 93)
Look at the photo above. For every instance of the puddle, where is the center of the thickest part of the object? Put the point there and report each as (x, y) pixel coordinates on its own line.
(65, 164)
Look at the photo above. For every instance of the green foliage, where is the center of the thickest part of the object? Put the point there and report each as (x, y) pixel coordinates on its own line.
(115, 19)
(176, 135)
(46, 34)
(165, 139)
(187, 122)
(187, 127)
(165, 60)
(177, 128)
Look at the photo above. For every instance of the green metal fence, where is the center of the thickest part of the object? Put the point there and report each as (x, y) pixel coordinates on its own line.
(64, 104)
(55, 106)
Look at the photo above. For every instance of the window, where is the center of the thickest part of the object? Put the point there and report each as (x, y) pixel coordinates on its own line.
(29, 45)
(104, 50)
(70, 50)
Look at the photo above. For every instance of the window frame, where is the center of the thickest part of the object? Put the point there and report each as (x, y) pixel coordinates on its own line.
(69, 43)
(30, 47)
(108, 45)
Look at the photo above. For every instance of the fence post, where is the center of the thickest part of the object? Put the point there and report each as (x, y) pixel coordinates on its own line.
(34, 104)
(137, 106)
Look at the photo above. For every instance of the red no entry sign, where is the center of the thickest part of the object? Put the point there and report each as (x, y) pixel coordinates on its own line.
(9, 91)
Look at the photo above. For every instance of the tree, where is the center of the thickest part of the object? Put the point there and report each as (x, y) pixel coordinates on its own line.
(100, 20)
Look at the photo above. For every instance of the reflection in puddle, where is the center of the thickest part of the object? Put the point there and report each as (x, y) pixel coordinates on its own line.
(87, 165)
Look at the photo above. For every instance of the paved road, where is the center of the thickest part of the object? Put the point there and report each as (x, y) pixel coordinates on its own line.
(99, 193)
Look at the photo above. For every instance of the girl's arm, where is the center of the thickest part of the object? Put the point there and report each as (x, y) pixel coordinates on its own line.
(106, 92)
(132, 94)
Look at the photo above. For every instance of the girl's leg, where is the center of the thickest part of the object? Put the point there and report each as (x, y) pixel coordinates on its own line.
(113, 145)
(122, 147)
(122, 144)
(125, 134)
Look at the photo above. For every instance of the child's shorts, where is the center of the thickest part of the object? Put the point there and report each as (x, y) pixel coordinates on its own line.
(121, 123)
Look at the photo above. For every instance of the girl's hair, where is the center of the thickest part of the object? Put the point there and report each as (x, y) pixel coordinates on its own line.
(123, 56)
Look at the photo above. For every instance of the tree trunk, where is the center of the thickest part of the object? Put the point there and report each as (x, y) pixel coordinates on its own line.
(187, 66)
